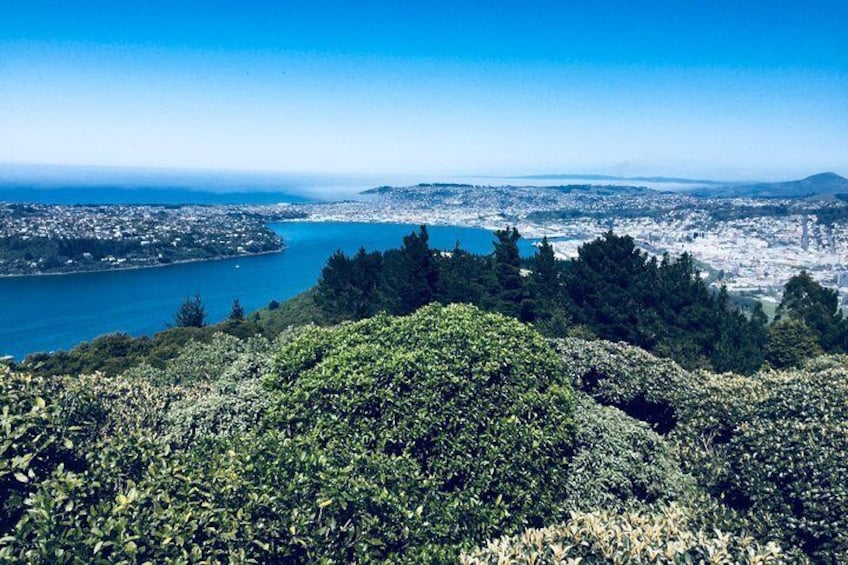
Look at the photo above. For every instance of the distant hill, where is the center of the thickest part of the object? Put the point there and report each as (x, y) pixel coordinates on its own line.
(446, 189)
(822, 184)
(675, 180)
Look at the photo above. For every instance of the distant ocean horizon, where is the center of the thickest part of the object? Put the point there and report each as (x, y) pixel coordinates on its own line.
(69, 185)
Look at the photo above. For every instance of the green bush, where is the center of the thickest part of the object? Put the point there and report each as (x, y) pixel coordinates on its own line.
(616, 374)
(219, 410)
(770, 446)
(411, 439)
(664, 535)
(409, 454)
(773, 447)
(33, 441)
(620, 462)
(476, 401)
(54, 425)
(204, 362)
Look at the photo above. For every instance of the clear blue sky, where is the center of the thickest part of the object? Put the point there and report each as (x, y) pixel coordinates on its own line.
(723, 89)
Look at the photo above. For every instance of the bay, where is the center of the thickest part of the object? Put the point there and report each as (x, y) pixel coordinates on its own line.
(47, 313)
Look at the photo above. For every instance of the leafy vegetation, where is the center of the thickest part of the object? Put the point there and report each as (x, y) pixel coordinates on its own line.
(818, 308)
(612, 289)
(472, 405)
(662, 536)
(392, 439)
(741, 436)
(116, 353)
(418, 438)
(773, 446)
(790, 343)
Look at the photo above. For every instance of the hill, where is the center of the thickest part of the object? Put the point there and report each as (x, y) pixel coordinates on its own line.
(449, 190)
(655, 179)
(822, 184)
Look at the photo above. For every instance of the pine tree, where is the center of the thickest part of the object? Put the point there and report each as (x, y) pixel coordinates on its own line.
(550, 308)
(236, 312)
(410, 275)
(507, 263)
(191, 314)
(334, 293)
(790, 342)
(546, 272)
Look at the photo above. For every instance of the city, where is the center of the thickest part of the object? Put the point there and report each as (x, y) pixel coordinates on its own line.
(751, 245)
(43, 239)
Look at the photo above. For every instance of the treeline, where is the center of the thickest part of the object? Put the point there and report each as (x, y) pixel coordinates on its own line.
(612, 290)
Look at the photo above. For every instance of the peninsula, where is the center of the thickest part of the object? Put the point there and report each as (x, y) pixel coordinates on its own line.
(40, 239)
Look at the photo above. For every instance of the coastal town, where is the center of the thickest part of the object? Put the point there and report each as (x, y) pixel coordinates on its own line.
(751, 245)
(47, 239)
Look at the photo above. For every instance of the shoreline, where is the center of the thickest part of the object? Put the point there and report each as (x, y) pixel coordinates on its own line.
(139, 267)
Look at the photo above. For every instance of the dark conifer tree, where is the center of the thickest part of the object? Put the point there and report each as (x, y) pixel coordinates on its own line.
(507, 264)
(550, 308)
(365, 272)
(605, 283)
(191, 313)
(410, 274)
(334, 293)
(236, 312)
(463, 279)
(546, 272)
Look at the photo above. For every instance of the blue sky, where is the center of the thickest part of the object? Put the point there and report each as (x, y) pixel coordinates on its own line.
(722, 89)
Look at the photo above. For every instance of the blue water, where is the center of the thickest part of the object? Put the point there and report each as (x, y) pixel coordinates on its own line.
(48, 313)
(69, 195)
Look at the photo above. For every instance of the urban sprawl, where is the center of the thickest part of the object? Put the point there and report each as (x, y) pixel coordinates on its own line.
(751, 245)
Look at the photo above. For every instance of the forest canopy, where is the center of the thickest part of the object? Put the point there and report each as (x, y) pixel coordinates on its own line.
(611, 290)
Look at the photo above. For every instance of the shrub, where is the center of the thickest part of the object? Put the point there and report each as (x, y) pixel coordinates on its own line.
(208, 361)
(664, 535)
(224, 409)
(476, 401)
(770, 446)
(773, 447)
(620, 462)
(32, 441)
(627, 377)
(787, 460)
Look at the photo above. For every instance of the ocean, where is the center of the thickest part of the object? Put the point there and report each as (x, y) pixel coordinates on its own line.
(47, 313)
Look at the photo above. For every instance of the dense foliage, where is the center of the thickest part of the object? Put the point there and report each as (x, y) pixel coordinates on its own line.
(773, 446)
(473, 406)
(807, 301)
(770, 446)
(115, 353)
(417, 438)
(663, 536)
(612, 289)
(391, 439)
